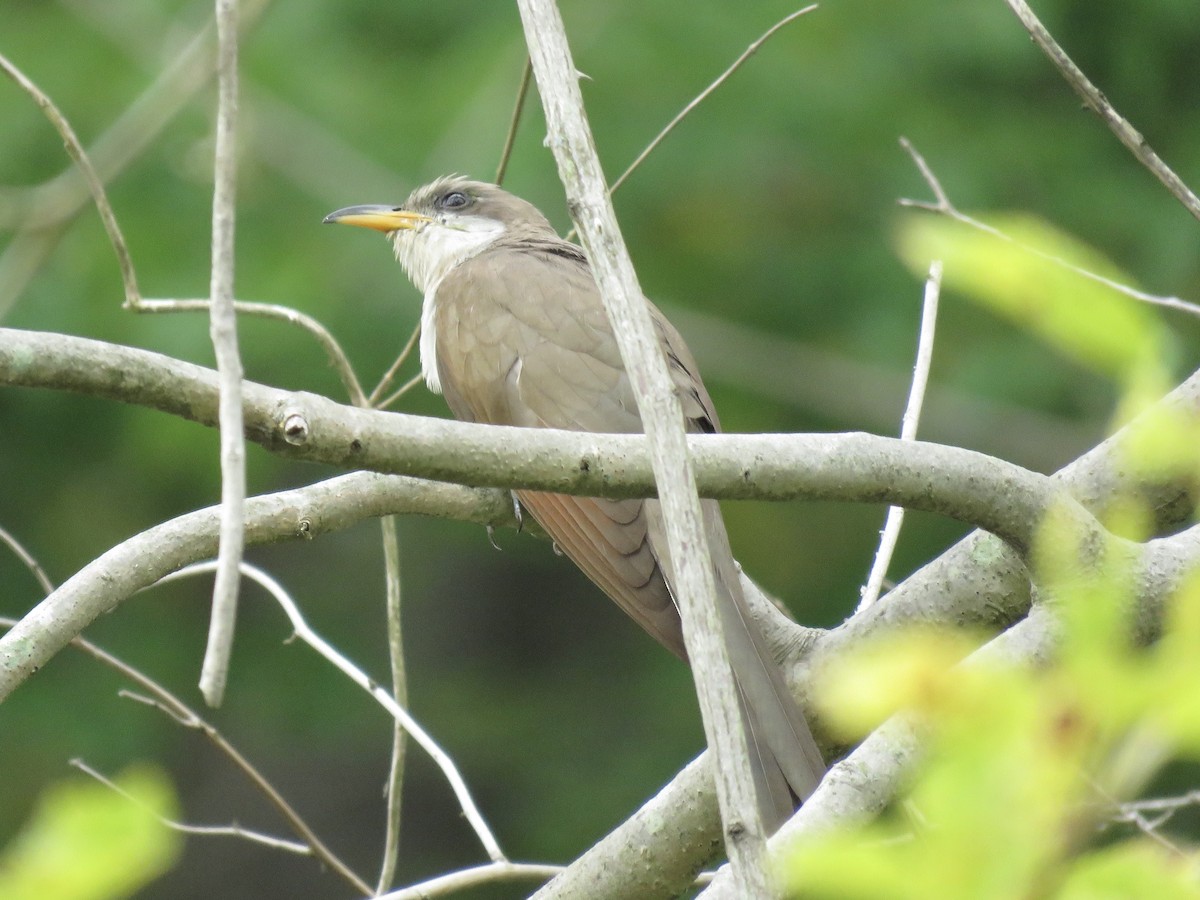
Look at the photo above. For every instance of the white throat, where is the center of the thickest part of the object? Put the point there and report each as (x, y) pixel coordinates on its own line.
(427, 253)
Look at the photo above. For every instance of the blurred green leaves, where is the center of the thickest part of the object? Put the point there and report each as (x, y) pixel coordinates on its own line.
(85, 841)
(1025, 768)
(1031, 280)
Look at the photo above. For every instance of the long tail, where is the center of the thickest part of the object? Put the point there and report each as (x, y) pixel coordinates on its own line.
(788, 765)
(621, 546)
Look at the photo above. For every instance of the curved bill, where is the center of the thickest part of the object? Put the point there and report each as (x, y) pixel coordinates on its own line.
(379, 217)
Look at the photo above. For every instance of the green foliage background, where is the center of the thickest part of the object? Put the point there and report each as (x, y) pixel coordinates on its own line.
(771, 208)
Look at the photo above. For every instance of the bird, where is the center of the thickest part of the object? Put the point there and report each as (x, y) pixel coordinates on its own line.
(514, 332)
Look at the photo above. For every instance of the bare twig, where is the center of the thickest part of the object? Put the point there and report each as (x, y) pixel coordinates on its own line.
(944, 206)
(386, 381)
(704, 94)
(1098, 103)
(256, 837)
(400, 391)
(30, 562)
(1134, 812)
(701, 97)
(305, 632)
(57, 200)
(515, 122)
(851, 390)
(395, 635)
(492, 873)
(908, 431)
(1162, 804)
(223, 329)
(169, 704)
(333, 350)
(95, 184)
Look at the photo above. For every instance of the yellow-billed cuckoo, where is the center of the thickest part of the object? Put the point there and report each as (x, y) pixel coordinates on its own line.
(513, 332)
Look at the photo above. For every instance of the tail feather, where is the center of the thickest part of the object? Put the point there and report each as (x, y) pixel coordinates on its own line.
(787, 762)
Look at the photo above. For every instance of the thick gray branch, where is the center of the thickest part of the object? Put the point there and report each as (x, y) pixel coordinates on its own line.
(972, 487)
(142, 560)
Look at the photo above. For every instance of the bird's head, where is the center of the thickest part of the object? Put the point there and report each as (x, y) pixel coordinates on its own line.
(444, 223)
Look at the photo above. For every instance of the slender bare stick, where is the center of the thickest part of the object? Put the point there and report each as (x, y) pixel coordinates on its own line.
(944, 206)
(704, 94)
(700, 98)
(169, 704)
(333, 350)
(29, 561)
(492, 873)
(305, 632)
(389, 376)
(571, 141)
(95, 185)
(223, 331)
(1098, 103)
(908, 431)
(395, 635)
(400, 391)
(256, 837)
(515, 122)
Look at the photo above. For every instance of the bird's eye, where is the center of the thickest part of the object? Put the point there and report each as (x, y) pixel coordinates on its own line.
(454, 200)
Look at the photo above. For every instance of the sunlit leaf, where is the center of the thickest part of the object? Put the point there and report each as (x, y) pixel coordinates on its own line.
(859, 690)
(1132, 869)
(84, 841)
(1089, 322)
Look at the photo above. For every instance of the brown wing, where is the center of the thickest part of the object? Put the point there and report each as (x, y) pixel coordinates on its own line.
(536, 350)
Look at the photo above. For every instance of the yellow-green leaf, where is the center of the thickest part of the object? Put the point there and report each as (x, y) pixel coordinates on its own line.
(1097, 326)
(84, 841)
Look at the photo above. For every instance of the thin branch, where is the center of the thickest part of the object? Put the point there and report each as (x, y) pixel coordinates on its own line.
(492, 873)
(1098, 103)
(700, 98)
(1134, 812)
(169, 704)
(95, 184)
(28, 560)
(395, 636)
(390, 376)
(333, 350)
(515, 122)
(305, 632)
(978, 581)
(944, 206)
(255, 837)
(908, 431)
(1162, 804)
(400, 391)
(223, 331)
(57, 200)
(704, 94)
